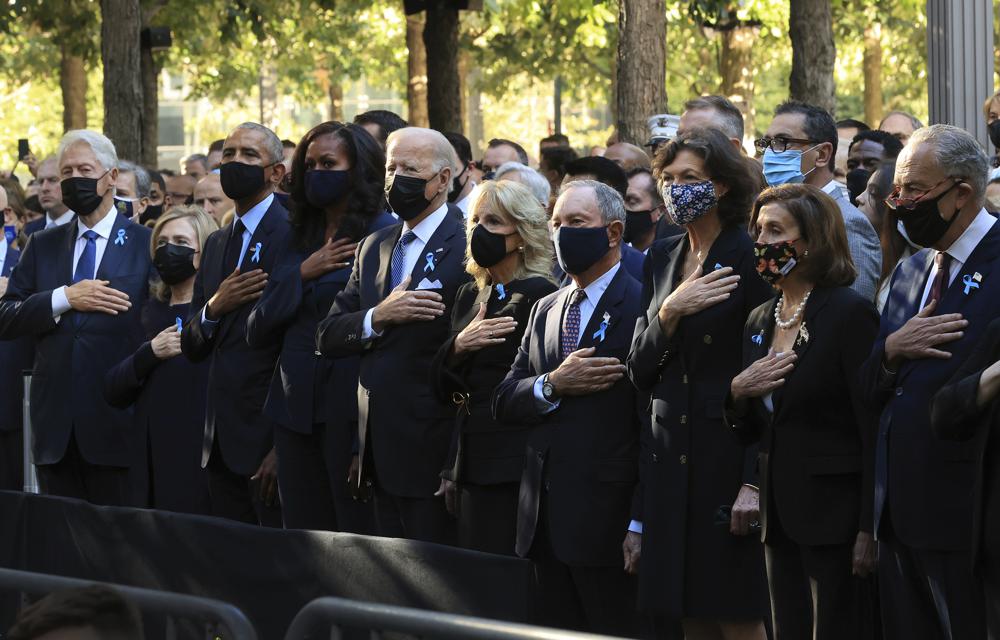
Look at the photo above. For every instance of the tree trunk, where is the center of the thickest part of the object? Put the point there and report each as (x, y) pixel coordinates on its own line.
(737, 70)
(336, 94)
(268, 86)
(73, 81)
(872, 65)
(416, 71)
(444, 96)
(814, 53)
(120, 53)
(642, 36)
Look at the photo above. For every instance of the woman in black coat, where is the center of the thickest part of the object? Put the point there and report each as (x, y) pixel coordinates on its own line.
(968, 409)
(510, 259)
(166, 389)
(698, 290)
(800, 397)
(336, 199)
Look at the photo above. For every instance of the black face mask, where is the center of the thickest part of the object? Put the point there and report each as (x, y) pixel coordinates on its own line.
(487, 248)
(579, 248)
(923, 223)
(240, 181)
(456, 186)
(174, 263)
(324, 188)
(637, 224)
(152, 212)
(857, 182)
(80, 194)
(994, 130)
(406, 196)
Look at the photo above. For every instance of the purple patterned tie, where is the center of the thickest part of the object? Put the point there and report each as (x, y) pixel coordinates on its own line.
(571, 325)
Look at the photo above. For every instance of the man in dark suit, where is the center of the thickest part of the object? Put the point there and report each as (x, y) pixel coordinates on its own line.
(568, 383)
(940, 301)
(49, 198)
(395, 311)
(238, 449)
(77, 290)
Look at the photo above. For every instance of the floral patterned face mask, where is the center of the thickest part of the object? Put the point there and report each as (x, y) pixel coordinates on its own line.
(688, 202)
(775, 260)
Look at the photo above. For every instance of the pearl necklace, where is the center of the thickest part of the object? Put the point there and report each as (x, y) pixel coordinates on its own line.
(791, 322)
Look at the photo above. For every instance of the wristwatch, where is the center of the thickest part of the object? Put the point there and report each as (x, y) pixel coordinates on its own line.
(548, 391)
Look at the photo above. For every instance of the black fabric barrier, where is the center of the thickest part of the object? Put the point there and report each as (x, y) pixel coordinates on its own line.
(270, 574)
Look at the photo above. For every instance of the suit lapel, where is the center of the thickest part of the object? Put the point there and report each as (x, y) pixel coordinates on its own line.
(605, 310)
(722, 252)
(437, 248)
(963, 289)
(811, 315)
(385, 261)
(117, 247)
(553, 328)
(66, 266)
(9, 260)
(675, 254)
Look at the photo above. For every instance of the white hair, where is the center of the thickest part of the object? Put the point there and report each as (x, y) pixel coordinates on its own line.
(103, 148)
(956, 153)
(275, 150)
(609, 202)
(535, 181)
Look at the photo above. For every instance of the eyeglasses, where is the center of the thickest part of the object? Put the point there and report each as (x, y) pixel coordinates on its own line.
(895, 203)
(778, 144)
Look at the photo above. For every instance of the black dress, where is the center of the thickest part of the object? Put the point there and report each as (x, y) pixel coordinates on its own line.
(169, 416)
(487, 456)
(690, 465)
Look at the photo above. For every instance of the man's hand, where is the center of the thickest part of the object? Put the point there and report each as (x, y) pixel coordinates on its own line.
(3, 286)
(354, 472)
(863, 558)
(167, 343)
(235, 291)
(267, 479)
(402, 307)
(329, 257)
(447, 489)
(763, 376)
(97, 296)
(632, 550)
(695, 294)
(920, 335)
(483, 332)
(746, 510)
(581, 374)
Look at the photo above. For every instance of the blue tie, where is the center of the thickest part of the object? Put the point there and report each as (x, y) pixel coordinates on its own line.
(399, 258)
(87, 264)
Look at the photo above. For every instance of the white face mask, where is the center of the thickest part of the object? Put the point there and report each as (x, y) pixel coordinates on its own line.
(902, 232)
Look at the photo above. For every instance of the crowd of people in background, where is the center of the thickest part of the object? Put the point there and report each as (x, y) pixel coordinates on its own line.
(710, 389)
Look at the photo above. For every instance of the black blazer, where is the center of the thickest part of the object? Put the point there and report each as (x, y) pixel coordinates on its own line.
(817, 451)
(584, 453)
(484, 450)
(15, 357)
(410, 429)
(73, 354)
(955, 416)
(239, 374)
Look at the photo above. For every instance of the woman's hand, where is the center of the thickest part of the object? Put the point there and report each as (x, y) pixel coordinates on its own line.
(763, 376)
(167, 343)
(695, 294)
(447, 489)
(483, 332)
(746, 510)
(863, 559)
(329, 257)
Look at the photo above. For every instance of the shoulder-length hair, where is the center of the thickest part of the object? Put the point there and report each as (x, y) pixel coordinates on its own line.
(204, 225)
(821, 224)
(517, 205)
(365, 197)
(723, 164)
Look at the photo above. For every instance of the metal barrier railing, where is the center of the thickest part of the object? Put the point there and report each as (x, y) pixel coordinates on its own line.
(319, 617)
(30, 473)
(217, 616)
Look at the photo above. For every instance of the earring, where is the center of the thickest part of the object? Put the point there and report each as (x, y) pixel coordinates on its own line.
(805, 254)
(521, 248)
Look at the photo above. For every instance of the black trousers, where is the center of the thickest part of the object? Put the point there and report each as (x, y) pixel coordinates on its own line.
(989, 569)
(424, 519)
(74, 477)
(487, 516)
(235, 497)
(927, 594)
(11, 460)
(312, 477)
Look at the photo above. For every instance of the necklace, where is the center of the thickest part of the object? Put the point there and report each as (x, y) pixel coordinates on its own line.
(791, 322)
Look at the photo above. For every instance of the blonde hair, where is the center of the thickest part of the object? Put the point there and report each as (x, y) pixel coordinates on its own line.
(517, 205)
(989, 103)
(202, 223)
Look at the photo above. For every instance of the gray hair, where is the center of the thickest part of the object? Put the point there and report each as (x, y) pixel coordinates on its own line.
(103, 148)
(275, 151)
(956, 153)
(142, 180)
(535, 181)
(914, 121)
(730, 116)
(609, 202)
(444, 153)
(203, 159)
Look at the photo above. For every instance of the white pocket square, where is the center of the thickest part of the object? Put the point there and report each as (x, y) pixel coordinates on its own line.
(427, 284)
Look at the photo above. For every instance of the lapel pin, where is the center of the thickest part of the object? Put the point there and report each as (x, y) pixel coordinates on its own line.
(971, 282)
(758, 339)
(803, 337)
(256, 252)
(601, 330)
(120, 240)
(501, 293)
(718, 266)
(430, 262)
(179, 323)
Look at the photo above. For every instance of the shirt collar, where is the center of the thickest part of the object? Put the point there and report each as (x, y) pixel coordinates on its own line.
(832, 187)
(596, 289)
(962, 248)
(426, 228)
(252, 218)
(102, 228)
(63, 219)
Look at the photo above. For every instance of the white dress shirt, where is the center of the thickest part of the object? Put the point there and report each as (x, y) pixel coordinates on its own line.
(58, 222)
(463, 204)
(60, 304)
(423, 232)
(960, 250)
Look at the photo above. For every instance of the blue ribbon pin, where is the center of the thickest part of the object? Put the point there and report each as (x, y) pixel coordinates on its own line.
(717, 266)
(180, 324)
(501, 294)
(599, 334)
(758, 339)
(121, 237)
(256, 252)
(430, 262)
(969, 283)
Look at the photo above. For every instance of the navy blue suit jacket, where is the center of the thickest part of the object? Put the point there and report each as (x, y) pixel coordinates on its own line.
(15, 357)
(926, 483)
(73, 355)
(33, 226)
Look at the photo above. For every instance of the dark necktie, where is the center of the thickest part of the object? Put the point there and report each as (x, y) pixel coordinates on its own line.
(398, 262)
(943, 262)
(571, 325)
(233, 247)
(87, 264)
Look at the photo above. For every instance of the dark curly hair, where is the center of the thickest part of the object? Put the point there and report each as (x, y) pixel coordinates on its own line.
(365, 197)
(723, 163)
